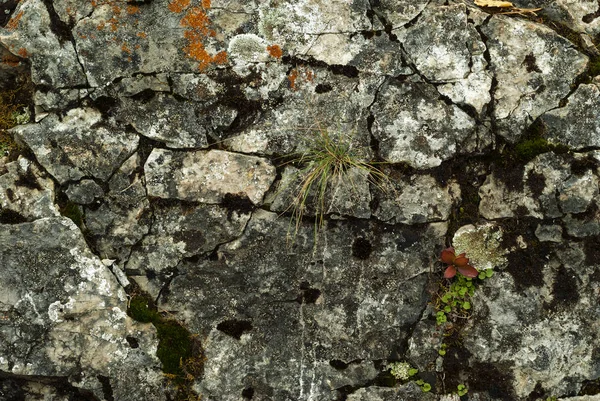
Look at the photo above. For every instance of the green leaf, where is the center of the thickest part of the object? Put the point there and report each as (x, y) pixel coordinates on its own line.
(463, 291)
(413, 371)
(442, 352)
(466, 305)
(426, 387)
(420, 382)
(482, 276)
(489, 273)
(447, 309)
(461, 386)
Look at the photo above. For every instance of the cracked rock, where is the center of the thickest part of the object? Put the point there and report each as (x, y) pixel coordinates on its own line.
(413, 126)
(63, 314)
(534, 69)
(78, 145)
(577, 125)
(25, 190)
(29, 34)
(207, 176)
(343, 303)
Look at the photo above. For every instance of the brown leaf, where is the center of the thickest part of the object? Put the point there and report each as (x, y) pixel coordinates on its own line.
(493, 3)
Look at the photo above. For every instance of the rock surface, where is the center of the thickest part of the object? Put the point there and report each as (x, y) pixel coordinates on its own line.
(152, 245)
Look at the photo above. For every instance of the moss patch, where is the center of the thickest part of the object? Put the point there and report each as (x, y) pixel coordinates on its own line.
(73, 212)
(179, 351)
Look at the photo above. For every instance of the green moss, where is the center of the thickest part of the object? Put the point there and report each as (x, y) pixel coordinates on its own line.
(174, 347)
(73, 212)
(594, 67)
(140, 310)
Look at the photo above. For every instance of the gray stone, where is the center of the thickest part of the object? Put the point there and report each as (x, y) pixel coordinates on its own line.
(324, 303)
(84, 192)
(534, 68)
(380, 56)
(139, 83)
(445, 48)
(415, 199)
(25, 190)
(585, 225)
(56, 100)
(196, 87)
(77, 145)
(175, 123)
(400, 12)
(408, 392)
(552, 233)
(577, 125)
(54, 60)
(207, 176)
(579, 16)
(124, 215)
(577, 193)
(63, 314)
(413, 126)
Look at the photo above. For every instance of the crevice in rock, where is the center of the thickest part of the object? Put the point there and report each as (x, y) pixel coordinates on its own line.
(7, 9)
(61, 385)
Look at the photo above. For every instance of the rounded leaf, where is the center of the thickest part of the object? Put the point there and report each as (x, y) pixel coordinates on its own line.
(461, 261)
(448, 256)
(450, 272)
(468, 271)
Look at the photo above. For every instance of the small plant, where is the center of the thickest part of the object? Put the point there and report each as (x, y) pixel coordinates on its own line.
(426, 387)
(462, 390)
(460, 263)
(442, 350)
(401, 370)
(326, 161)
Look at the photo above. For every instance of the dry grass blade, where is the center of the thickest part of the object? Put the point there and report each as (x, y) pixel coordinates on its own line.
(327, 162)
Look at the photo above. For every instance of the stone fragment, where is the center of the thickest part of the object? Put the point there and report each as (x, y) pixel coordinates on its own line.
(196, 87)
(64, 315)
(446, 49)
(577, 193)
(29, 34)
(580, 16)
(139, 83)
(84, 192)
(534, 68)
(25, 190)
(583, 225)
(77, 145)
(549, 233)
(207, 176)
(413, 126)
(400, 12)
(165, 119)
(415, 200)
(577, 125)
(123, 216)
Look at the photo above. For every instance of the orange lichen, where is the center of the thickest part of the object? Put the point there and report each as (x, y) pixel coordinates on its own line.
(23, 52)
(143, 35)
(101, 25)
(125, 49)
(198, 28)
(292, 77)
(14, 21)
(206, 4)
(296, 76)
(275, 51)
(133, 10)
(177, 6)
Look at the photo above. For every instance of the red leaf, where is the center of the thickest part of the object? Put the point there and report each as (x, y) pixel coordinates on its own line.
(448, 256)
(468, 271)
(461, 261)
(450, 272)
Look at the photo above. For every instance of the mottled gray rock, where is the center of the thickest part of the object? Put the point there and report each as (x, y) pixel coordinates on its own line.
(196, 87)
(580, 16)
(78, 145)
(534, 324)
(139, 83)
(534, 68)
(415, 199)
(551, 233)
(577, 125)
(527, 192)
(63, 314)
(380, 56)
(408, 392)
(123, 216)
(175, 123)
(445, 48)
(400, 12)
(351, 298)
(414, 126)
(181, 231)
(26, 191)
(207, 176)
(583, 225)
(316, 28)
(53, 59)
(577, 193)
(84, 192)
(56, 100)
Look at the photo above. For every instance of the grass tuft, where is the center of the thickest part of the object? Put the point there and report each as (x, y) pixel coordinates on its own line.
(325, 163)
